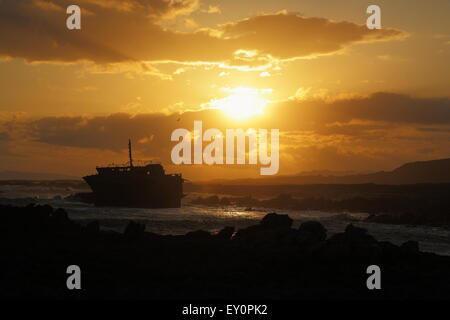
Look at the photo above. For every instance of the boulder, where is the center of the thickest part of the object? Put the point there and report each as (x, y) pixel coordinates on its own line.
(40, 212)
(198, 235)
(92, 227)
(274, 229)
(134, 230)
(355, 244)
(274, 220)
(311, 232)
(226, 233)
(410, 246)
(358, 236)
(61, 216)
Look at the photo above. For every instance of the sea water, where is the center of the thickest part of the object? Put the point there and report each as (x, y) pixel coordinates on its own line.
(193, 217)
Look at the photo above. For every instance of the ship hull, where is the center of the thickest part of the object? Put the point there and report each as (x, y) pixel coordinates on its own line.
(136, 191)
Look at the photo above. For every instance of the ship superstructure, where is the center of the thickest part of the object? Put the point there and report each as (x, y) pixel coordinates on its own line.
(145, 186)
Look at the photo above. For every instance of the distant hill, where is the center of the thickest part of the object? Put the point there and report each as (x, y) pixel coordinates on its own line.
(434, 171)
(20, 175)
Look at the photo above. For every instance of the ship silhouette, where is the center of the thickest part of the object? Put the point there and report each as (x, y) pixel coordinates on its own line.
(145, 186)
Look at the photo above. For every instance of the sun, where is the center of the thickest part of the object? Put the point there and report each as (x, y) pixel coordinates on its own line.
(242, 103)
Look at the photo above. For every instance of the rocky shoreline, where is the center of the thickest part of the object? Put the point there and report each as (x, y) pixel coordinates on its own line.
(267, 260)
(388, 210)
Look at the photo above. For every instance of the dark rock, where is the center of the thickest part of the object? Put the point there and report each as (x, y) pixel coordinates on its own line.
(353, 244)
(44, 211)
(259, 235)
(311, 232)
(134, 230)
(226, 233)
(60, 216)
(410, 246)
(389, 249)
(274, 229)
(85, 197)
(358, 236)
(353, 231)
(274, 220)
(92, 227)
(258, 262)
(198, 235)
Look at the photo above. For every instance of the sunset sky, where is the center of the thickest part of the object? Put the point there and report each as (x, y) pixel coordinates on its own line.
(344, 97)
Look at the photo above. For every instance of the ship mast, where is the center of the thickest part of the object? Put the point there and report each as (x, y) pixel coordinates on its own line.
(129, 153)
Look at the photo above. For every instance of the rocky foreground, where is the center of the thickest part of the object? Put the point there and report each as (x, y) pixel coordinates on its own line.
(268, 260)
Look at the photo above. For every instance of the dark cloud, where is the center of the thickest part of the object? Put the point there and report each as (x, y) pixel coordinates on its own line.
(359, 125)
(315, 134)
(103, 132)
(121, 31)
(435, 130)
(152, 8)
(381, 107)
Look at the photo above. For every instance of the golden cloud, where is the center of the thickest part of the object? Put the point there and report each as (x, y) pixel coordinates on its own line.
(124, 31)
